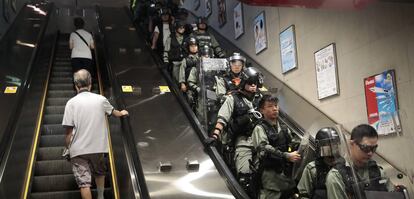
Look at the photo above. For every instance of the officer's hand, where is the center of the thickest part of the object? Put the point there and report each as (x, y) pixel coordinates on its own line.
(183, 87)
(293, 156)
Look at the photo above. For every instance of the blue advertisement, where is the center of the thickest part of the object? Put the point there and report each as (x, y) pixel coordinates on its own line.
(386, 98)
(288, 49)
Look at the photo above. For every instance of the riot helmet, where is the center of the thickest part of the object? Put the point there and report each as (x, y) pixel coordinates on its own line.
(237, 63)
(205, 51)
(251, 76)
(200, 22)
(164, 11)
(192, 41)
(327, 142)
(178, 25)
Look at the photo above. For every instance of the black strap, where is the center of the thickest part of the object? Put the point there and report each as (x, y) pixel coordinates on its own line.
(82, 39)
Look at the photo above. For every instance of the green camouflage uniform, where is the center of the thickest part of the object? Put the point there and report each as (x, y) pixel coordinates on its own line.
(243, 144)
(273, 183)
(305, 185)
(175, 64)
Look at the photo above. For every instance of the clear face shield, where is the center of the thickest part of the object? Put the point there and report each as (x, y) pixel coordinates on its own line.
(208, 104)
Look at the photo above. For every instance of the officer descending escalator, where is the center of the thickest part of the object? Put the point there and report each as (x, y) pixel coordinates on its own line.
(274, 154)
(312, 182)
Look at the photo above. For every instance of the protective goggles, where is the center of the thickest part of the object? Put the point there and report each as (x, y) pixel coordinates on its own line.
(367, 148)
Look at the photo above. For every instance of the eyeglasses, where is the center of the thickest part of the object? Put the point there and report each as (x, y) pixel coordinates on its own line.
(367, 148)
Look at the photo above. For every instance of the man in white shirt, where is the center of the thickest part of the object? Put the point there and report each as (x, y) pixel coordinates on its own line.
(81, 42)
(87, 134)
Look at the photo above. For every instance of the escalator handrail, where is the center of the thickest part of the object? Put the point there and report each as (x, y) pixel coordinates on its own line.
(6, 141)
(221, 166)
(125, 122)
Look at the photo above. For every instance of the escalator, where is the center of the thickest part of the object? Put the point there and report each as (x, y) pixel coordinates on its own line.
(52, 175)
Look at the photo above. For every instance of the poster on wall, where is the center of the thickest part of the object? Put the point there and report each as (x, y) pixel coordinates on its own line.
(238, 20)
(260, 40)
(196, 4)
(326, 72)
(222, 17)
(288, 49)
(209, 9)
(381, 100)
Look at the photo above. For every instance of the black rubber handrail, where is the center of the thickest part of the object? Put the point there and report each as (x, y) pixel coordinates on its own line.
(6, 141)
(125, 123)
(220, 164)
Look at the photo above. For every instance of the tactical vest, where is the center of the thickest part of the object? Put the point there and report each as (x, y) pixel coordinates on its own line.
(319, 188)
(240, 123)
(228, 83)
(351, 184)
(203, 39)
(280, 141)
(191, 61)
(177, 51)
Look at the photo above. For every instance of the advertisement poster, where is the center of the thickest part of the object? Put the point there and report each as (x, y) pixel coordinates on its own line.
(238, 21)
(326, 72)
(260, 39)
(222, 17)
(381, 100)
(288, 49)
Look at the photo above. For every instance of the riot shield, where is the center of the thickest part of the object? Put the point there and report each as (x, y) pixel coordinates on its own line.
(208, 104)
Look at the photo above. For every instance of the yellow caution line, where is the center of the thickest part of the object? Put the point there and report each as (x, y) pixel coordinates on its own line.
(35, 142)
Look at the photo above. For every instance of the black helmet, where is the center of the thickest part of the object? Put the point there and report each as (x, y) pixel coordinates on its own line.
(202, 20)
(190, 41)
(178, 24)
(251, 76)
(327, 142)
(237, 57)
(164, 11)
(205, 51)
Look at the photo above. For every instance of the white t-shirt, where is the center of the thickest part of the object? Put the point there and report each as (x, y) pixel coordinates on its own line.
(86, 113)
(80, 50)
(166, 32)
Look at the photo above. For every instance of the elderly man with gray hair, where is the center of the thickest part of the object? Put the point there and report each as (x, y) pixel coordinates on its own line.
(87, 134)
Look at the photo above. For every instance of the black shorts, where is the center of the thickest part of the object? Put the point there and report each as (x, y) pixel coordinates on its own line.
(81, 63)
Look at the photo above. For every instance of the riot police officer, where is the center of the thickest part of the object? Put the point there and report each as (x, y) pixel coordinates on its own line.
(312, 182)
(230, 81)
(189, 62)
(340, 181)
(236, 117)
(272, 142)
(206, 39)
(174, 50)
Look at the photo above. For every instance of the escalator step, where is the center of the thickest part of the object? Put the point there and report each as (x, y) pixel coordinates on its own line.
(61, 74)
(74, 194)
(62, 69)
(54, 110)
(54, 183)
(49, 153)
(53, 129)
(56, 101)
(61, 93)
(61, 86)
(53, 119)
(52, 140)
(52, 167)
(54, 80)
